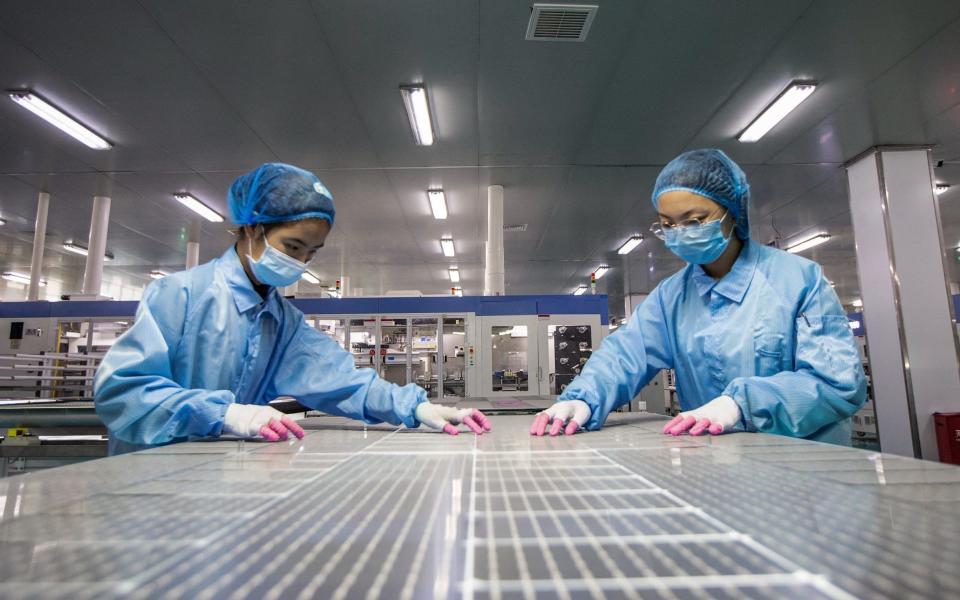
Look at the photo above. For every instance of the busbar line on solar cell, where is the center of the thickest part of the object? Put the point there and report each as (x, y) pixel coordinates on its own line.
(692, 583)
(467, 587)
(643, 539)
(377, 514)
(801, 576)
(249, 524)
(299, 566)
(167, 576)
(601, 512)
(441, 586)
(621, 492)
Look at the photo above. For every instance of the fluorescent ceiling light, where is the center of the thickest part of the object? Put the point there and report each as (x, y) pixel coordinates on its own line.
(310, 278)
(600, 271)
(941, 188)
(454, 275)
(59, 119)
(418, 112)
(457, 291)
(789, 99)
(71, 246)
(157, 274)
(447, 245)
(21, 278)
(808, 243)
(198, 207)
(581, 290)
(630, 244)
(438, 203)
(858, 303)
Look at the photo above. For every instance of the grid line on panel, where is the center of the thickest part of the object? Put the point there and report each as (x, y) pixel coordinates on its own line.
(836, 524)
(317, 581)
(467, 589)
(181, 574)
(607, 560)
(661, 584)
(801, 576)
(303, 562)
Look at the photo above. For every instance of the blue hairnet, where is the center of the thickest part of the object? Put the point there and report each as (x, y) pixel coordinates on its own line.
(712, 174)
(276, 193)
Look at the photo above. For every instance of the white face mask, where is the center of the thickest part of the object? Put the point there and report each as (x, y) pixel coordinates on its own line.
(274, 268)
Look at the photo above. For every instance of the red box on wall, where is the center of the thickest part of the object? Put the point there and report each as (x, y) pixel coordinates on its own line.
(948, 436)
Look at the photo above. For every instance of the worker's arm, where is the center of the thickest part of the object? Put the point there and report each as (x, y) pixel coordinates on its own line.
(625, 362)
(827, 384)
(134, 391)
(321, 375)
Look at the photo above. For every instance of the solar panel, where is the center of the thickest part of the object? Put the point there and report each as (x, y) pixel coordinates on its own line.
(391, 513)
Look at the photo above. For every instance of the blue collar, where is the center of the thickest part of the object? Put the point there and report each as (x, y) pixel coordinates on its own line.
(734, 284)
(244, 294)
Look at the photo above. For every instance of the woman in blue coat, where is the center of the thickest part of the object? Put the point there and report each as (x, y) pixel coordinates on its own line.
(757, 336)
(213, 345)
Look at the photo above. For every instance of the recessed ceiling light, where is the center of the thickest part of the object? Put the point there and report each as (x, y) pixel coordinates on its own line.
(59, 119)
(198, 207)
(446, 244)
(808, 243)
(71, 246)
(418, 113)
(631, 243)
(438, 203)
(21, 278)
(789, 99)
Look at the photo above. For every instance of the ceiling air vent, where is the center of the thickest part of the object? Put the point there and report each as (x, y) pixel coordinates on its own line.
(560, 22)
(522, 227)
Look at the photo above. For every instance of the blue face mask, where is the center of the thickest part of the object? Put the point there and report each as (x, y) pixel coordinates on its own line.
(698, 245)
(275, 268)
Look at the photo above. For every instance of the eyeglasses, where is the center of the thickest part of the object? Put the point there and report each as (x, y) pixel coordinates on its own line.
(659, 227)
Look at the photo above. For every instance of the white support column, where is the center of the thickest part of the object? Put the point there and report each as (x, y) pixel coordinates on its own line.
(902, 267)
(193, 245)
(39, 239)
(494, 284)
(97, 246)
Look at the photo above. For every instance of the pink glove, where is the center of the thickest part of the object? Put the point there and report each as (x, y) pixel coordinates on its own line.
(716, 416)
(446, 418)
(255, 420)
(573, 413)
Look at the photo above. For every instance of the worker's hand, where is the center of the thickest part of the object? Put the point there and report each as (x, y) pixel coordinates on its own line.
(715, 417)
(572, 413)
(446, 418)
(254, 420)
